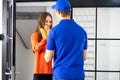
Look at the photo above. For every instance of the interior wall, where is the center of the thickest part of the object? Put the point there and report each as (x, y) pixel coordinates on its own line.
(114, 57)
(103, 24)
(24, 62)
(108, 50)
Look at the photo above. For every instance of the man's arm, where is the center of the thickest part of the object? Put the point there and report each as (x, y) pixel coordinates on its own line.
(84, 54)
(49, 55)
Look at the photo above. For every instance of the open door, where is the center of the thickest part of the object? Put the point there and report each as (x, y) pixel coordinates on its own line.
(8, 45)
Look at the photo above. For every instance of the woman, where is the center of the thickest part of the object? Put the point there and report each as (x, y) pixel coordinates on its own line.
(42, 69)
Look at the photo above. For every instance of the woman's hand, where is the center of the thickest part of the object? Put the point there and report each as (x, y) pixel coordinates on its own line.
(45, 31)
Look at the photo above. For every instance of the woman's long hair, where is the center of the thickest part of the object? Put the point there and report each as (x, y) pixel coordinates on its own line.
(41, 23)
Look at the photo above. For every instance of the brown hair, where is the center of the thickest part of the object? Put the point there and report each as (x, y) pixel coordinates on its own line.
(41, 23)
(65, 13)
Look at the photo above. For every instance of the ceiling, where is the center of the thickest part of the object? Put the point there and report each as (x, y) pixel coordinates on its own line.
(84, 3)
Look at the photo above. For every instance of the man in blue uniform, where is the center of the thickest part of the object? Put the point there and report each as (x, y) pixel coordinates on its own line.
(67, 45)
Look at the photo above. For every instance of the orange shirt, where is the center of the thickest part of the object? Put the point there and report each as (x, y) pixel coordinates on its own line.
(40, 65)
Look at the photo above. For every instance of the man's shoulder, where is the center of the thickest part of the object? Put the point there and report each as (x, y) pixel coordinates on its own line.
(55, 27)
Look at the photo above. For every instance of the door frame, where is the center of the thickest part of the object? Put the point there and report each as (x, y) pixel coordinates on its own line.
(8, 44)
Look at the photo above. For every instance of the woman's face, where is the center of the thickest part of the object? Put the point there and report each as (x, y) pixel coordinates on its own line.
(48, 21)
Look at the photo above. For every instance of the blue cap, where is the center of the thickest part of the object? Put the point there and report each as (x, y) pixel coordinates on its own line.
(62, 5)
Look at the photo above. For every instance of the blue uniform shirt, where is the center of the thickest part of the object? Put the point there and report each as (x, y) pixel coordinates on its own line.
(68, 39)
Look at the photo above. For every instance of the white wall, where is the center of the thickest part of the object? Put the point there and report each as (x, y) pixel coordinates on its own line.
(1, 41)
(114, 57)
(24, 61)
(108, 51)
(114, 22)
(86, 18)
(103, 50)
(103, 22)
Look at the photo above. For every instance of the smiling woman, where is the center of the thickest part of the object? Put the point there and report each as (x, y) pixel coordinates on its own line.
(42, 69)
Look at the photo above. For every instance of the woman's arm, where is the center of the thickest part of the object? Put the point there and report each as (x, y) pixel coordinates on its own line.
(37, 46)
